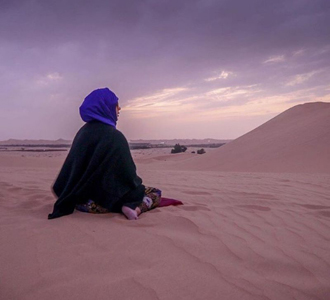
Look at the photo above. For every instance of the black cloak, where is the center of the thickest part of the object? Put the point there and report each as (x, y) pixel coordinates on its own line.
(100, 167)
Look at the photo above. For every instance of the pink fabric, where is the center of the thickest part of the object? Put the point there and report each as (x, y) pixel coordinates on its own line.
(168, 202)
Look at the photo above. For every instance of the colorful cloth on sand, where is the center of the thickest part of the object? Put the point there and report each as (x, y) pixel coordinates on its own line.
(151, 199)
(168, 202)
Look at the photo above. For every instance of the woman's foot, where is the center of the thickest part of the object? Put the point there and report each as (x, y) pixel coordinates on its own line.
(131, 214)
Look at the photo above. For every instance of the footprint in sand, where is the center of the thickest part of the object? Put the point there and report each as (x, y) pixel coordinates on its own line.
(312, 206)
(320, 209)
(196, 193)
(4, 185)
(323, 213)
(193, 208)
(255, 207)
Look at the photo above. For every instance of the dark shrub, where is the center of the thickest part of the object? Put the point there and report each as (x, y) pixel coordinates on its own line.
(201, 151)
(178, 149)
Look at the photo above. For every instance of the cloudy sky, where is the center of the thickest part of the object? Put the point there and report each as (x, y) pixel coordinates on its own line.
(181, 69)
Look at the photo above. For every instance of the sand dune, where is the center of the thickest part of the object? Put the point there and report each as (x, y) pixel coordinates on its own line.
(298, 140)
(239, 235)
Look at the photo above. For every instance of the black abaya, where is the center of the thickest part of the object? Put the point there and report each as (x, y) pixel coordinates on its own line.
(100, 167)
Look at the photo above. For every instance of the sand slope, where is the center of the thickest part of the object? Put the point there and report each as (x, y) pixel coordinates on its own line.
(249, 236)
(298, 140)
(239, 235)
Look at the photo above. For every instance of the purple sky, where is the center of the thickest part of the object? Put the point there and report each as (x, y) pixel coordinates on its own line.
(181, 69)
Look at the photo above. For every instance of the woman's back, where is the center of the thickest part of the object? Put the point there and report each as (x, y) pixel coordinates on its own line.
(99, 166)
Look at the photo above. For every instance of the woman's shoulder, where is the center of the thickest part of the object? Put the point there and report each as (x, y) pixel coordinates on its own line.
(119, 136)
(100, 133)
(97, 128)
(106, 131)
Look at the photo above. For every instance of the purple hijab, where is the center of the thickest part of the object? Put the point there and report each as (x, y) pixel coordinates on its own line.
(100, 105)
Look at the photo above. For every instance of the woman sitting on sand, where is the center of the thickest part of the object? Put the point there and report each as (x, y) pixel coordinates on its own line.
(99, 174)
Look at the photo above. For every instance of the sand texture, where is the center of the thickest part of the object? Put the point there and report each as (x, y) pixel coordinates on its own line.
(248, 235)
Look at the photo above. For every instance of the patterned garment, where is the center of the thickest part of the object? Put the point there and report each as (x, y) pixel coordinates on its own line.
(91, 207)
(151, 199)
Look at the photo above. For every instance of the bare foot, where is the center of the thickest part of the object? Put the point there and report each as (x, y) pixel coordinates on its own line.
(131, 214)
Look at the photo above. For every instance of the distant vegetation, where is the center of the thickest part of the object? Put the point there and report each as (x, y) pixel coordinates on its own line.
(207, 145)
(37, 145)
(64, 145)
(134, 146)
(34, 147)
(178, 149)
(201, 151)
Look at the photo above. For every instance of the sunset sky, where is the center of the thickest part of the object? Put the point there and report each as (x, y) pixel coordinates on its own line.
(181, 69)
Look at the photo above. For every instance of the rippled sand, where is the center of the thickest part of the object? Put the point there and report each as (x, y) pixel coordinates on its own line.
(237, 236)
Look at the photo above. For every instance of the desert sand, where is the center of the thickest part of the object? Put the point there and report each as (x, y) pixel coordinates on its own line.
(255, 223)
